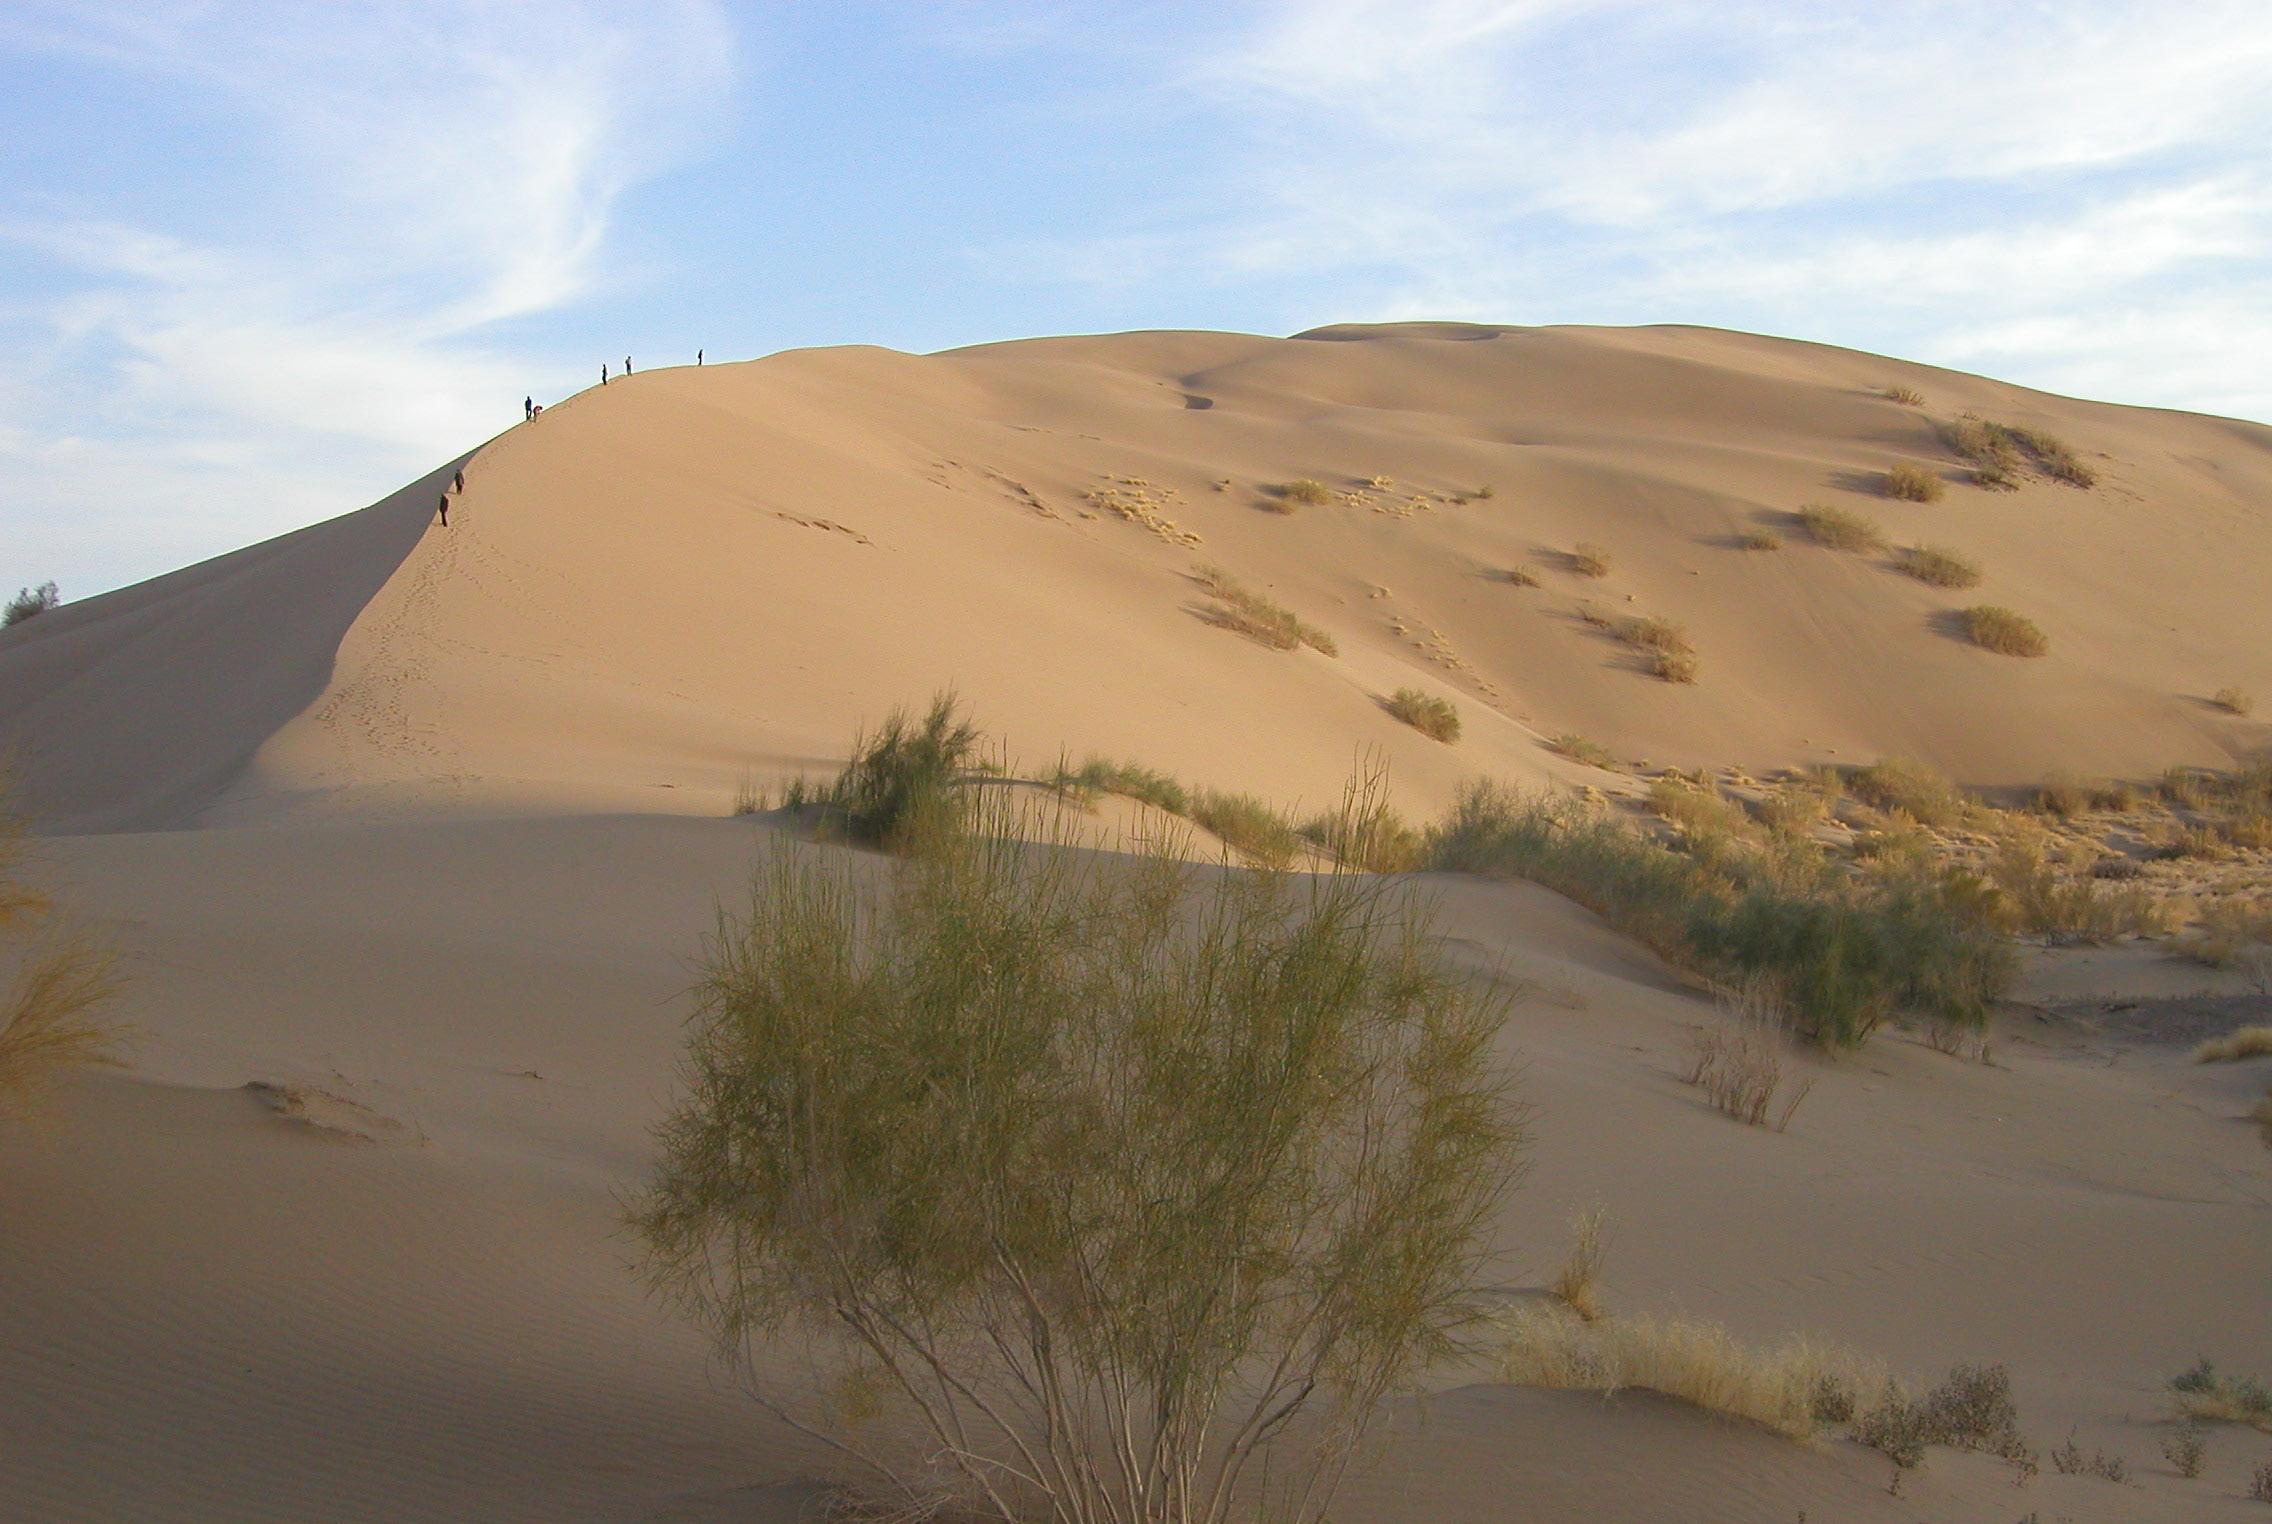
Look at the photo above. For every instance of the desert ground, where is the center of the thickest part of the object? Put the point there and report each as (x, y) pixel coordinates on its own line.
(407, 836)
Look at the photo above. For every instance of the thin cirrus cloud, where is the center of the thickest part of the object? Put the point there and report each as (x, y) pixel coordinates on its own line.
(390, 186)
(1983, 185)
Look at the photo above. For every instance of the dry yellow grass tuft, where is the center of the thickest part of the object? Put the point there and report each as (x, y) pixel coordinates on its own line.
(1940, 566)
(1912, 484)
(47, 1021)
(1590, 560)
(1738, 1062)
(1432, 716)
(1758, 539)
(1796, 1388)
(1521, 575)
(2004, 631)
(2234, 701)
(1306, 491)
(1839, 529)
(1580, 749)
(1907, 396)
(1249, 613)
(2248, 1042)
(1577, 1285)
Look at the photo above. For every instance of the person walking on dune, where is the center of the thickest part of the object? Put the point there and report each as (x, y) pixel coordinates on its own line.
(627, 365)
(698, 357)
(528, 408)
(445, 508)
(457, 484)
(603, 372)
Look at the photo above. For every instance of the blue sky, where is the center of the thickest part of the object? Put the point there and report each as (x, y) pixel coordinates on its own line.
(260, 264)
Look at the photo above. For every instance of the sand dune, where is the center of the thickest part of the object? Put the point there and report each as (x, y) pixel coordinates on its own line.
(406, 834)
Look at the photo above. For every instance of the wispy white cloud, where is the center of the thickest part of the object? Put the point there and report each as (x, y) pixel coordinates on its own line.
(396, 183)
(1881, 175)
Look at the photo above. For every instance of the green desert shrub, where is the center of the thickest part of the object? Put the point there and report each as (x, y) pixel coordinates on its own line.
(1433, 716)
(1259, 831)
(1367, 836)
(2205, 1394)
(29, 603)
(1837, 955)
(2042, 897)
(1130, 780)
(1995, 628)
(1242, 609)
(1839, 529)
(1940, 566)
(907, 777)
(1911, 787)
(1590, 560)
(1066, 1169)
(1580, 749)
(1911, 484)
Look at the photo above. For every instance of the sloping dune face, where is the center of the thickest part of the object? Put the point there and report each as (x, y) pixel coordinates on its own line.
(693, 577)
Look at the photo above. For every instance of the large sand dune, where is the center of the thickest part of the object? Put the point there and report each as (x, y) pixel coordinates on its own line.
(411, 830)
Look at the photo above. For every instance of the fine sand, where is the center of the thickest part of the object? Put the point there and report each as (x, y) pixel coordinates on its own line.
(407, 836)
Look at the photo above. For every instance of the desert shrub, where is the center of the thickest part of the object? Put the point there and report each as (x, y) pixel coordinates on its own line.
(1787, 1387)
(749, 798)
(1307, 491)
(2067, 796)
(1792, 809)
(1907, 396)
(1912, 484)
(1911, 787)
(1130, 780)
(1704, 817)
(2202, 1393)
(907, 776)
(1738, 1063)
(1521, 575)
(2260, 1482)
(1839, 956)
(1898, 1428)
(1577, 1285)
(1759, 539)
(2042, 897)
(1940, 566)
(2234, 701)
(49, 1022)
(2189, 789)
(1260, 832)
(1431, 715)
(1652, 634)
(2071, 1459)
(2234, 934)
(2186, 1449)
(1028, 1149)
(1367, 836)
(1840, 529)
(1579, 749)
(1972, 1409)
(29, 603)
(1994, 458)
(1590, 560)
(2054, 456)
(2245, 1042)
(1248, 612)
(1994, 628)
(1485, 493)
(1673, 666)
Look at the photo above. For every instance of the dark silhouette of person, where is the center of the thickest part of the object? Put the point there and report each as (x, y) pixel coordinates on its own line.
(445, 510)
(698, 357)
(458, 485)
(603, 372)
(627, 365)
(528, 408)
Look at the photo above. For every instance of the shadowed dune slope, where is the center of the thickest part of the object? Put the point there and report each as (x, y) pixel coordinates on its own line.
(692, 576)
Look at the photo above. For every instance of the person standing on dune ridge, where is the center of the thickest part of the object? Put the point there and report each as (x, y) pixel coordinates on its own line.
(528, 408)
(627, 365)
(698, 357)
(445, 510)
(603, 372)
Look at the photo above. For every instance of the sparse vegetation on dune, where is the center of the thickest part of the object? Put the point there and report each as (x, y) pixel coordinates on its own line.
(1998, 452)
(1306, 492)
(1255, 829)
(1044, 1156)
(29, 603)
(906, 777)
(2247, 1042)
(1971, 1409)
(1840, 529)
(1838, 952)
(1577, 1285)
(1521, 575)
(2044, 896)
(1579, 749)
(1759, 539)
(2003, 631)
(49, 1021)
(1665, 643)
(2234, 701)
(1907, 396)
(1738, 1062)
(1940, 566)
(1242, 609)
(1430, 714)
(1912, 484)
(2235, 934)
(1590, 560)
(1906, 785)
(2204, 1394)
(1797, 1388)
